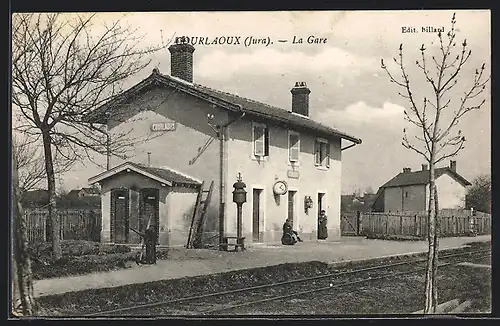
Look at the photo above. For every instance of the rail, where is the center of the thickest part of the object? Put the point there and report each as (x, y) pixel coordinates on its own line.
(173, 302)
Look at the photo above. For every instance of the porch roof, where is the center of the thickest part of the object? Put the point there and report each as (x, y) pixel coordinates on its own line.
(163, 175)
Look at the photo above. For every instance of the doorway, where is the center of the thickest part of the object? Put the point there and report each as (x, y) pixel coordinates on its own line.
(119, 215)
(291, 206)
(321, 206)
(149, 209)
(256, 216)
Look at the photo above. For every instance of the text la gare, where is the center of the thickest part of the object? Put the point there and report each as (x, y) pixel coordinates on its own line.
(309, 40)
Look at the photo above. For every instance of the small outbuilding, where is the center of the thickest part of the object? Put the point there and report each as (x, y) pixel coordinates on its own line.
(134, 196)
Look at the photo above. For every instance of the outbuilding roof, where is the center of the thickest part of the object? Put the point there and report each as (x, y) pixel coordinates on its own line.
(228, 101)
(163, 175)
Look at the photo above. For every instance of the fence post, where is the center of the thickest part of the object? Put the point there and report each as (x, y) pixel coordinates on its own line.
(358, 222)
(416, 226)
(401, 224)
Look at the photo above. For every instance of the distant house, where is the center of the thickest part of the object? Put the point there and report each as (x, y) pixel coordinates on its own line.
(355, 203)
(84, 192)
(409, 191)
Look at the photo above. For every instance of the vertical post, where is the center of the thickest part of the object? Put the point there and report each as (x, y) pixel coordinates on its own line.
(108, 151)
(222, 204)
(239, 197)
(416, 227)
(149, 158)
(401, 224)
(358, 222)
(238, 222)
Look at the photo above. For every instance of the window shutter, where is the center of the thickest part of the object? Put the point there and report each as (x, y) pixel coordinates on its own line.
(327, 145)
(317, 158)
(266, 142)
(294, 147)
(258, 133)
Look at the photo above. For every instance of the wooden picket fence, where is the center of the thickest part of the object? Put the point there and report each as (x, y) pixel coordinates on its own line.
(453, 223)
(75, 224)
(350, 223)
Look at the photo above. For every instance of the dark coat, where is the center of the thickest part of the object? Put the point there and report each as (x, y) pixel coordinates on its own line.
(322, 229)
(287, 228)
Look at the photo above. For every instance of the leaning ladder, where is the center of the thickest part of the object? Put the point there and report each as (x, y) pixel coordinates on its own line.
(199, 213)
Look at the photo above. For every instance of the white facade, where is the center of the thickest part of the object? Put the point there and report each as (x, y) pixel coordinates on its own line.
(303, 176)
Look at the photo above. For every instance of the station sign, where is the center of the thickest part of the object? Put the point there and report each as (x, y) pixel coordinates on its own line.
(163, 126)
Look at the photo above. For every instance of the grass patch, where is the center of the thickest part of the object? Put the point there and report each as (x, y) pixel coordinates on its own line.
(78, 257)
(394, 237)
(94, 300)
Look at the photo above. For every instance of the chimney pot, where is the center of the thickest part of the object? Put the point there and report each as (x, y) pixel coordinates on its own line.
(453, 166)
(181, 59)
(424, 167)
(300, 98)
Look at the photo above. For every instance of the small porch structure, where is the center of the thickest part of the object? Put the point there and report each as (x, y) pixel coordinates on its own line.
(137, 196)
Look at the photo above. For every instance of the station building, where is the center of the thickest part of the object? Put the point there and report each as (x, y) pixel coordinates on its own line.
(196, 135)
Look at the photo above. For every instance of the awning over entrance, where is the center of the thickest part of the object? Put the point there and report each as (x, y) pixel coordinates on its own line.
(163, 175)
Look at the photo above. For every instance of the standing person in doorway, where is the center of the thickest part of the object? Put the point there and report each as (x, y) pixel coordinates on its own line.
(322, 229)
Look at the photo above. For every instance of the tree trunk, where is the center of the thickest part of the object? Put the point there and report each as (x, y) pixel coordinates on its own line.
(436, 248)
(430, 292)
(22, 282)
(52, 218)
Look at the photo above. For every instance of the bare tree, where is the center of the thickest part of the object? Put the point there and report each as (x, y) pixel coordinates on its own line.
(30, 163)
(435, 141)
(23, 302)
(62, 69)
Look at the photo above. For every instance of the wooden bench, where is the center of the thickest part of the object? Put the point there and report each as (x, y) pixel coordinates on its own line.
(239, 245)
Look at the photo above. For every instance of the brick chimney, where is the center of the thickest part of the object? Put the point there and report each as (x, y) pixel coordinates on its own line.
(181, 59)
(424, 167)
(406, 170)
(453, 166)
(300, 99)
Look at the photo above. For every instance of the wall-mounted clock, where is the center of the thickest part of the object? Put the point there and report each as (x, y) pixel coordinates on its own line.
(280, 187)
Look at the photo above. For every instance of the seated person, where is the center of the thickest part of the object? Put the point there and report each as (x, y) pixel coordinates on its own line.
(290, 237)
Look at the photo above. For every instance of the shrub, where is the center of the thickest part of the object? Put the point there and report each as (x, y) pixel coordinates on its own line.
(81, 265)
(79, 257)
(75, 248)
(394, 237)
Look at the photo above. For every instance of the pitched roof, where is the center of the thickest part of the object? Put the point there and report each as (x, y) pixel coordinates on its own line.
(168, 174)
(73, 192)
(91, 190)
(422, 178)
(164, 175)
(228, 101)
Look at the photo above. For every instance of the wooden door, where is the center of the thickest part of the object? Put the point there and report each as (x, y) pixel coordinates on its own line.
(291, 206)
(120, 215)
(149, 209)
(256, 215)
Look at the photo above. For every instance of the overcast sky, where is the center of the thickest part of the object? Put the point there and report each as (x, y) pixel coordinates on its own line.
(349, 90)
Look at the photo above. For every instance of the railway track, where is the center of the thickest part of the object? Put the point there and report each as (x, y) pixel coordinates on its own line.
(220, 302)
